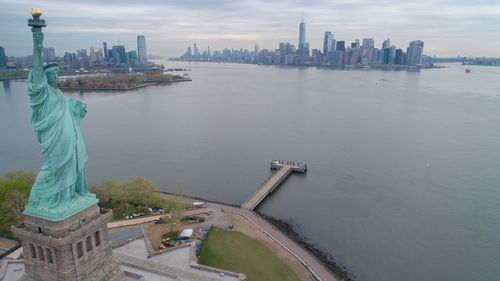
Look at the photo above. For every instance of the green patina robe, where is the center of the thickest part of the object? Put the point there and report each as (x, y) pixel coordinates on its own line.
(55, 120)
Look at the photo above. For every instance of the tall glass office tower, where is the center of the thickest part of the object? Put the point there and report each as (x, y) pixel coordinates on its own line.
(302, 37)
(141, 50)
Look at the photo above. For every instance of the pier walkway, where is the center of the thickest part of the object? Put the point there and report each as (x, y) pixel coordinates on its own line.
(284, 169)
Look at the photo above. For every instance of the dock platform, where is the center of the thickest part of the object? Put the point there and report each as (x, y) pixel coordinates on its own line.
(284, 169)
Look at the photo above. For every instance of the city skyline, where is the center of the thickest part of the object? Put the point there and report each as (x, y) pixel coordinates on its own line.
(335, 53)
(451, 28)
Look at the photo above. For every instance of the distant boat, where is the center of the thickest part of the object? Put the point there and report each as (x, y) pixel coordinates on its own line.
(467, 70)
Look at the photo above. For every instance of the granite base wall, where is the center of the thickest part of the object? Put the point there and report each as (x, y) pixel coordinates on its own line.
(75, 249)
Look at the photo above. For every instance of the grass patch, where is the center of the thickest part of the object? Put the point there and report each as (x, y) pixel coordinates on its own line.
(172, 235)
(237, 252)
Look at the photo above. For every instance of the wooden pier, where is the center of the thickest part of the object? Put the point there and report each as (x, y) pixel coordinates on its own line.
(284, 169)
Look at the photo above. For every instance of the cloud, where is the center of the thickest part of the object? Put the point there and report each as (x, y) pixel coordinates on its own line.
(447, 27)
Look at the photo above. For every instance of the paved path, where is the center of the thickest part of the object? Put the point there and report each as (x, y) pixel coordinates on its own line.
(130, 222)
(146, 219)
(267, 187)
(305, 257)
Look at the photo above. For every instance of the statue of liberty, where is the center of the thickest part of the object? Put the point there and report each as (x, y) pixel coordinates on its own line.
(60, 189)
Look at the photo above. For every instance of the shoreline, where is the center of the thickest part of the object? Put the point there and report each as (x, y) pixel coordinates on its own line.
(339, 270)
(199, 199)
(388, 67)
(287, 229)
(13, 78)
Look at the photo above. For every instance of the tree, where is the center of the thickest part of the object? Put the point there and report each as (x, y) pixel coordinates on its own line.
(15, 188)
(170, 220)
(14, 203)
(25, 177)
(127, 197)
(176, 205)
(176, 201)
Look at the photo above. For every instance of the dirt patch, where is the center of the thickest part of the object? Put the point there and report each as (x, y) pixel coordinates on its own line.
(7, 243)
(155, 231)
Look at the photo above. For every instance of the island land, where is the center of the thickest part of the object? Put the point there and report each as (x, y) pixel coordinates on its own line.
(138, 202)
(222, 217)
(119, 82)
(13, 74)
(104, 81)
(228, 223)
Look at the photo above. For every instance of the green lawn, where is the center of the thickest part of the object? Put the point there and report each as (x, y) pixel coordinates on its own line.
(234, 251)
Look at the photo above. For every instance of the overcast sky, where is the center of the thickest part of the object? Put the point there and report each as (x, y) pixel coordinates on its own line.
(448, 27)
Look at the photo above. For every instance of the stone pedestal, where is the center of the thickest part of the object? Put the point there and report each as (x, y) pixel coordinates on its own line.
(76, 248)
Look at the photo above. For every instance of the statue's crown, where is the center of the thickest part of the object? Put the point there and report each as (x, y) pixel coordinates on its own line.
(50, 65)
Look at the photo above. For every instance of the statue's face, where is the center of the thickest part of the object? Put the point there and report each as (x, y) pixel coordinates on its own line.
(51, 76)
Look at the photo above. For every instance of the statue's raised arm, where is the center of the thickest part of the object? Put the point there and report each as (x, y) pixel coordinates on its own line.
(37, 69)
(36, 28)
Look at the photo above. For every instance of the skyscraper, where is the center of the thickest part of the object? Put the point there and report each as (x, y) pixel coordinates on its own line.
(389, 55)
(68, 59)
(368, 43)
(3, 58)
(306, 50)
(355, 44)
(92, 57)
(302, 37)
(196, 52)
(386, 44)
(340, 46)
(141, 50)
(98, 55)
(82, 53)
(132, 56)
(386, 52)
(415, 51)
(105, 46)
(399, 57)
(119, 54)
(282, 52)
(327, 43)
(49, 54)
